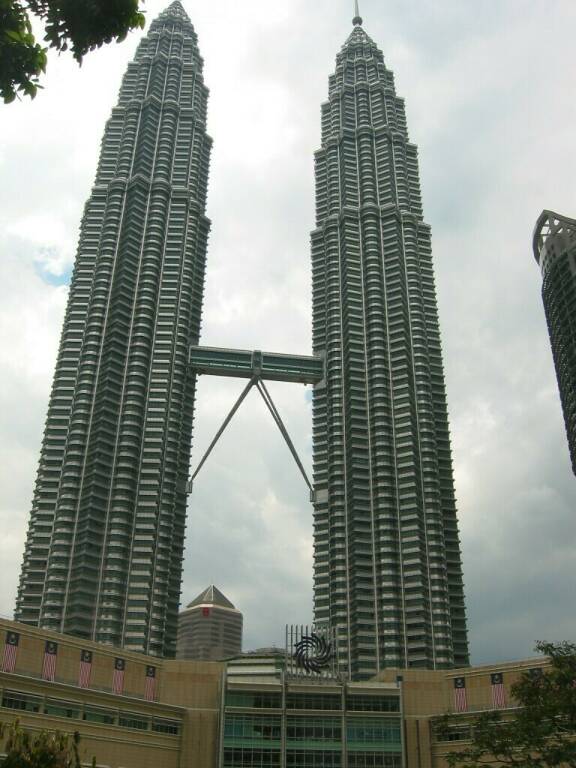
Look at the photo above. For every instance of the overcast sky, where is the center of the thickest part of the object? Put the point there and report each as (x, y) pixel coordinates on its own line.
(489, 89)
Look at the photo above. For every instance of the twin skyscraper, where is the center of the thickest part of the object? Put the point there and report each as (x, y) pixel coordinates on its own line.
(103, 558)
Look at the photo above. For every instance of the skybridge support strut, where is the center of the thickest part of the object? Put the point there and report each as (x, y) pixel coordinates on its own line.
(220, 432)
(276, 416)
(261, 387)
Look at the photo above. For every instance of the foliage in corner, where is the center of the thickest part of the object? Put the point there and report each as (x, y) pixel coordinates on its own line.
(45, 750)
(22, 59)
(78, 25)
(541, 733)
(83, 25)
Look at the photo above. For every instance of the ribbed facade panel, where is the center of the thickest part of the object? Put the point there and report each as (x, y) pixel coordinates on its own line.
(104, 550)
(387, 556)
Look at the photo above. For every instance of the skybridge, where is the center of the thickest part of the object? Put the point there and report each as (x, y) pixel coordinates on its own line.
(257, 367)
(244, 364)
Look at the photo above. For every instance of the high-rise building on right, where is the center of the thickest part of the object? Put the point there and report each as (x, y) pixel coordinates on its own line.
(387, 563)
(554, 245)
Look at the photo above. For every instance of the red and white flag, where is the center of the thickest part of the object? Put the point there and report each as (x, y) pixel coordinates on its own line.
(150, 687)
(49, 663)
(460, 701)
(85, 670)
(498, 692)
(10, 651)
(118, 676)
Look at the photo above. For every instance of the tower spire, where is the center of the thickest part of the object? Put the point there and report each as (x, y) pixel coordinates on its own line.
(357, 20)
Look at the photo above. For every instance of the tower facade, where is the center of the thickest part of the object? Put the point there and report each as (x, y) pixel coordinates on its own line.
(104, 549)
(554, 247)
(387, 565)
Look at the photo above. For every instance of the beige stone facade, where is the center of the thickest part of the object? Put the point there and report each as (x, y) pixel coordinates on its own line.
(132, 733)
(179, 727)
(427, 695)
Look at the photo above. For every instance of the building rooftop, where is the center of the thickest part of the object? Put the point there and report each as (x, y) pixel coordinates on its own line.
(211, 596)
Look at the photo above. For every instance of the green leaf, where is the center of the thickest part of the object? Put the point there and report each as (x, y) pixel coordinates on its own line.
(76, 25)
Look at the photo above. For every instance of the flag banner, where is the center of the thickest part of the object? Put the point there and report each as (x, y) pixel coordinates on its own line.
(85, 670)
(150, 688)
(118, 676)
(10, 651)
(49, 663)
(205, 611)
(498, 692)
(460, 701)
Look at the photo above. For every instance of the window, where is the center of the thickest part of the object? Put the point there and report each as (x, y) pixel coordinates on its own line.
(373, 703)
(327, 701)
(22, 701)
(299, 758)
(98, 715)
(246, 757)
(254, 699)
(374, 731)
(130, 720)
(252, 727)
(60, 708)
(314, 729)
(166, 726)
(373, 760)
(454, 733)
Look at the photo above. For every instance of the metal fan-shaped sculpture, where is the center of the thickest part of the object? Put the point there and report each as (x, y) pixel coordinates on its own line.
(312, 653)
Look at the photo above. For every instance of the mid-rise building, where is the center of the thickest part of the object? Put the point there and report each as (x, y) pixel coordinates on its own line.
(554, 246)
(209, 628)
(387, 563)
(273, 719)
(249, 712)
(103, 557)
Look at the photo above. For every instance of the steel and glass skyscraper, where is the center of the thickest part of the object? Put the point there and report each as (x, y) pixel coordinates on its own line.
(386, 556)
(554, 247)
(104, 550)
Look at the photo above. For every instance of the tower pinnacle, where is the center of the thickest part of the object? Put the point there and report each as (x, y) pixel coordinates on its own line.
(357, 20)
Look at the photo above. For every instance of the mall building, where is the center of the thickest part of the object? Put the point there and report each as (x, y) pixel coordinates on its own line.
(135, 711)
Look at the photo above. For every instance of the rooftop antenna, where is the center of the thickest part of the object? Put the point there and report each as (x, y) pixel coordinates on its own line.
(357, 20)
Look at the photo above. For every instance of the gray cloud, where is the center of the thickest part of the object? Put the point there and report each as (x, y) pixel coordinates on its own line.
(486, 95)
